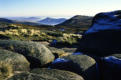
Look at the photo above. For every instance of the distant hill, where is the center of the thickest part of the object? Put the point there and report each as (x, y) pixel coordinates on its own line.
(78, 21)
(7, 21)
(37, 20)
(52, 21)
(3, 20)
(25, 19)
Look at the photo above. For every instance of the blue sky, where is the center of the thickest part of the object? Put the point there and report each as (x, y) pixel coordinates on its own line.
(56, 8)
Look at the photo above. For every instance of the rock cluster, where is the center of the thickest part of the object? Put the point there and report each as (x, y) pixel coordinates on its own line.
(99, 57)
(103, 40)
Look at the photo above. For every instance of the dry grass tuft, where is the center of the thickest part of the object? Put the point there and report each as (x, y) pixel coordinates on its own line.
(5, 70)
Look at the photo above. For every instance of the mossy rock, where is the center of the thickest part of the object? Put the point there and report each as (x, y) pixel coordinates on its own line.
(46, 74)
(34, 52)
(58, 74)
(17, 61)
(31, 76)
(80, 64)
(116, 55)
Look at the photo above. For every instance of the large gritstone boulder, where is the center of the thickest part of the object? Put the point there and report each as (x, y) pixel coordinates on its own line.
(103, 37)
(36, 53)
(17, 61)
(80, 64)
(11, 62)
(47, 74)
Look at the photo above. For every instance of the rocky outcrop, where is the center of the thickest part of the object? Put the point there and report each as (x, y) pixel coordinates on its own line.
(37, 54)
(103, 37)
(47, 74)
(80, 64)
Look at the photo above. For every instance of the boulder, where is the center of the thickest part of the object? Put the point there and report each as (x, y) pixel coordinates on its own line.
(116, 55)
(31, 76)
(103, 37)
(47, 74)
(37, 54)
(17, 61)
(58, 74)
(80, 64)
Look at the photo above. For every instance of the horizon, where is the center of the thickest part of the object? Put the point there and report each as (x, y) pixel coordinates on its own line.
(56, 8)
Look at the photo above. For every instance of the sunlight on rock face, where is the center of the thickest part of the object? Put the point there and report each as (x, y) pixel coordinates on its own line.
(77, 53)
(60, 60)
(106, 21)
(113, 60)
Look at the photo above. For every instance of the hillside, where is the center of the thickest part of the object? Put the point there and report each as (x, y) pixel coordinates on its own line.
(78, 21)
(3, 20)
(37, 20)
